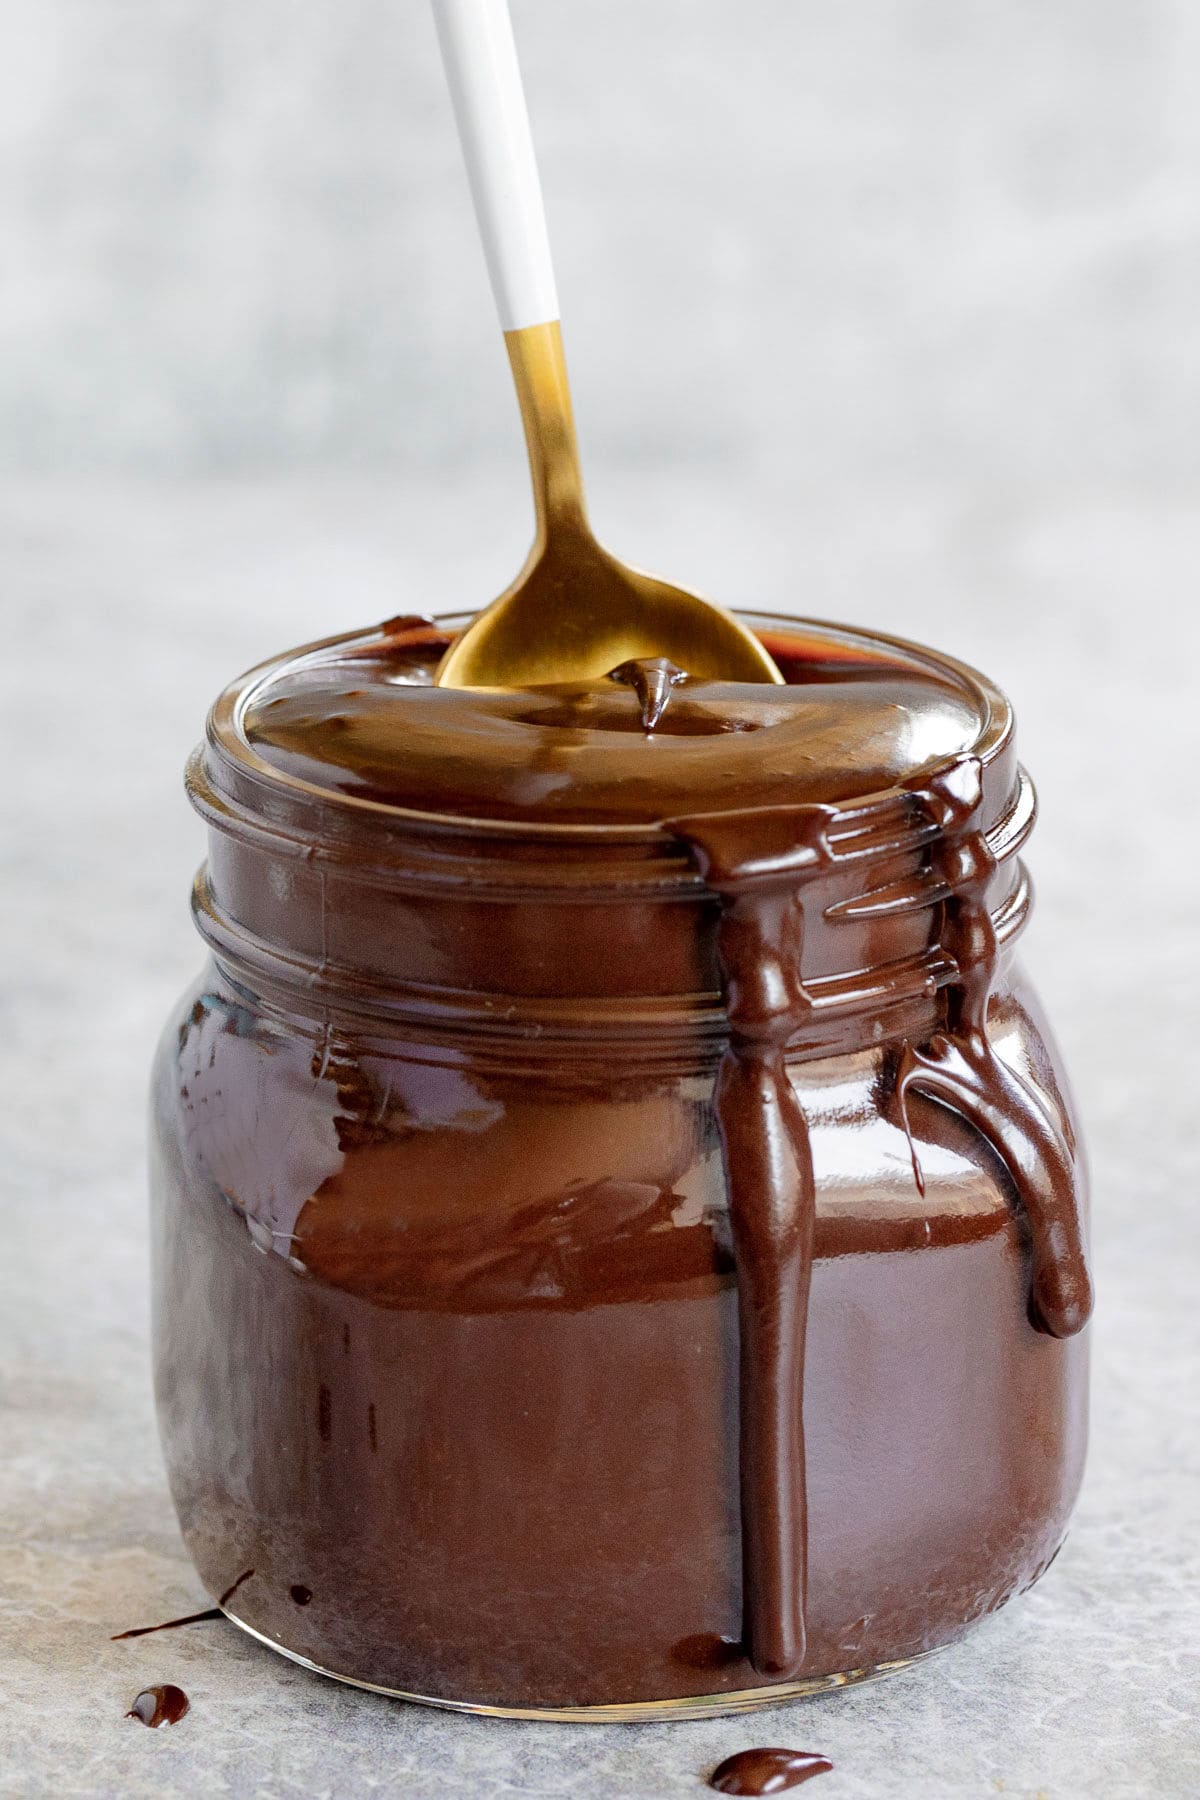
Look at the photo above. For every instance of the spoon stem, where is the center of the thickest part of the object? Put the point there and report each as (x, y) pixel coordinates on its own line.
(574, 612)
(543, 392)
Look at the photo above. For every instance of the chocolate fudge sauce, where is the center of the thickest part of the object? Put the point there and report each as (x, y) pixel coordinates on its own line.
(759, 863)
(767, 1771)
(196, 1618)
(960, 1068)
(642, 745)
(606, 1195)
(159, 1706)
(756, 861)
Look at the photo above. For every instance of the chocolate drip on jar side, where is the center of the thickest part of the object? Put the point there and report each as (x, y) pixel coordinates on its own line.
(757, 863)
(959, 1067)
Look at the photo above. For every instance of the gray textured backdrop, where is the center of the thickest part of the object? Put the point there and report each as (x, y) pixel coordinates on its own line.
(883, 237)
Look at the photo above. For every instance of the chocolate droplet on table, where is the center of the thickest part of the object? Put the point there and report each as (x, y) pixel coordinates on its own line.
(300, 1594)
(159, 1706)
(766, 1771)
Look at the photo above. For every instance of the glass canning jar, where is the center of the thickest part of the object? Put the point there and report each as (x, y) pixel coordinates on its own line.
(447, 1342)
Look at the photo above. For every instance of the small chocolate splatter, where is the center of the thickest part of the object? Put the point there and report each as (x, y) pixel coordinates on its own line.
(756, 1772)
(196, 1618)
(300, 1594)
(159, 1706)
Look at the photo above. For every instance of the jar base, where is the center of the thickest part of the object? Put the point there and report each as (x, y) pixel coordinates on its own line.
(633, 1712)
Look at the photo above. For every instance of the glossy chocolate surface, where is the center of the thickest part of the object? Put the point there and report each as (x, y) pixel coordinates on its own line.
(631, 1263)
(369, 724)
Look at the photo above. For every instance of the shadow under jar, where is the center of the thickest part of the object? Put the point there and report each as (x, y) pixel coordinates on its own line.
(616, 1205)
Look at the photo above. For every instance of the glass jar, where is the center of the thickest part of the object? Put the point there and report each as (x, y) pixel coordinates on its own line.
(447, 1340)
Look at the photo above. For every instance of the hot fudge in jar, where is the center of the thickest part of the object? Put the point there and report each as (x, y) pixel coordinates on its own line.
(617, 1212)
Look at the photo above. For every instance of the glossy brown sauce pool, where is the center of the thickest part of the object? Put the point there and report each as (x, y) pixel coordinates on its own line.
(372, 725)
(483, 1297)
(755, 1772)
(159, 1706)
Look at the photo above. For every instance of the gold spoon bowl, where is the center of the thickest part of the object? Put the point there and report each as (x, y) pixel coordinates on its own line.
(576, 613)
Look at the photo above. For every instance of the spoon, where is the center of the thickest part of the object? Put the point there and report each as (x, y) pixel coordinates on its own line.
(574, 613)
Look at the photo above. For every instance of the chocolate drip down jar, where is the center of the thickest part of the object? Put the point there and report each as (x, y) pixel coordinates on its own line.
(617, 1221)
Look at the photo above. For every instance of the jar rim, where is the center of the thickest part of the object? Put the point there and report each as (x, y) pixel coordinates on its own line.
(228, 739)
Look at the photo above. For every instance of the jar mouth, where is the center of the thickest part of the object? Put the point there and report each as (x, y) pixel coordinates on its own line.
(444, 923)
(229, 741)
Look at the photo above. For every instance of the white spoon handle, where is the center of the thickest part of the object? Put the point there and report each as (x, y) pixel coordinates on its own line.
(493, 123)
